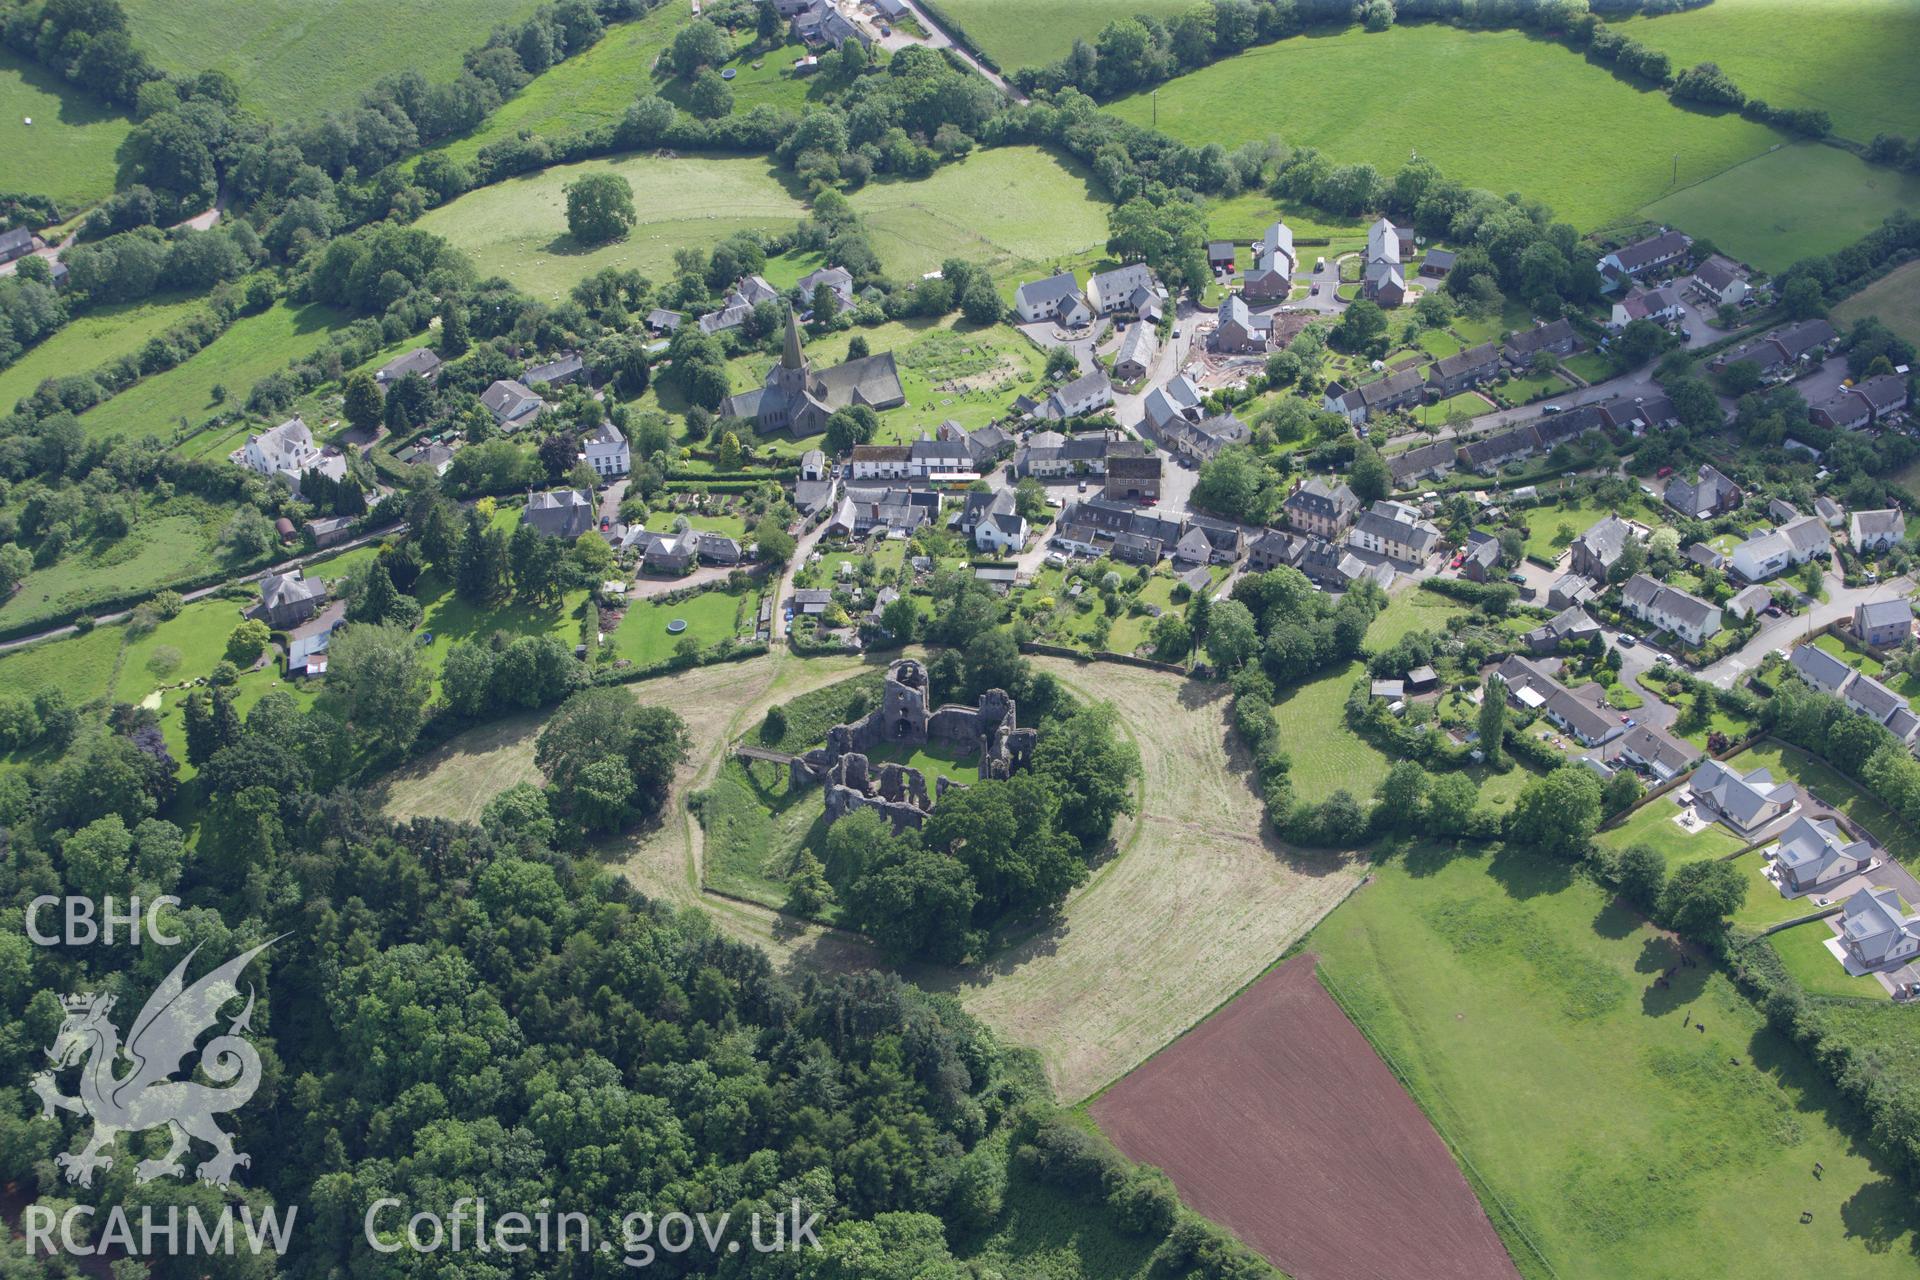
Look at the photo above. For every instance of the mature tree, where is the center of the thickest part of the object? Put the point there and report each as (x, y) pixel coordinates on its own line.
(1236, 484)
(1700, 898)
(1231, 638)
(1451, 798)
(362, 403)
(1360, 327)
(1642, 874)
(772, 543)
(710, 97)
(1007, 836)
(466, 678)
(916, 903)
(1557, 814)
(696, 45)
(1369, 477)
(1172, 638)
(454, 341)
(1402, 797)
(1623, 789)
(246, 642)
(1493, 721)
(382, 685)
(600, 206)
(598, 724)
(1092, 771)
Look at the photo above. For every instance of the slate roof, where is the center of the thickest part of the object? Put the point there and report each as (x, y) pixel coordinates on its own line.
(1746, 798)
(1326, 499)
(1049, 293)
(1538, 338)
(1420, 461)
(563, 513)
(1819, 668)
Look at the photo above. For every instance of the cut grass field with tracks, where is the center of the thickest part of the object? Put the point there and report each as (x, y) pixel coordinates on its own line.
(1327, 755)
(1790, 204)
(1852, 59)
(518, 228)
(68, 152)
(1895, 298)
(1002, 207)
(1592, 148)
(250, 349)
(1016, 34)
(295, 60)
(1631, 1131)
(89, 341)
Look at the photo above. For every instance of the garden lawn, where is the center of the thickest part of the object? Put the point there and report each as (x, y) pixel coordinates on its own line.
(1411, 611)
(1803, 951)
(1245, 218)
(1653, 825)
(1590, 366)
(250, 349)
(1764, 905)
(1794, 203)
(80, 666)
(1627, 1130)
(1593, 148)
(452, 619)
(1534, 386)
(197, 634)
(68, 152)
(89, 341)
(518, 228)
(1327, 755)
(1466, 405)
(1014, 34)
(1895, 298)
(293, 60)
(711, 616)
(1005, 208)
(1543, 523)
(1849, 58)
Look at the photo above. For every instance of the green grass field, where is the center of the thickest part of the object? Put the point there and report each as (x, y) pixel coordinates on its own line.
(1790, 204)
(518, 228)
(754, 824)
(1327, 755)
(1627, 1131)
(1894, 298)
(172, 542)
(1843, 57)
(1003, 207)
(250, 349)
(642, 635)
(1591, 147)
(1026, 35)
(1653, 825)
(1544, 526)
(68, 152)
(1408, 612)
(293, 61)
(196, 636)
(89, 341)
(80, 666)
(1803, 950)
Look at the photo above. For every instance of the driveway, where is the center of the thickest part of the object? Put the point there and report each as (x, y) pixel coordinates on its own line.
(937, 38)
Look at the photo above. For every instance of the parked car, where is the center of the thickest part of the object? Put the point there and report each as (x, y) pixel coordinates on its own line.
(1663, 473)
(1516, 577)
(1549, 408)
(1627, 642)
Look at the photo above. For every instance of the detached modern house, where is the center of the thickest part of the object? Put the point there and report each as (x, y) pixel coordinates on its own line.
(1270, 279)
(1056, 298)
(1710, 494)
(1812, 853)
(1745, 803)
(1873, 933)
(1670, 609)
(1239, 330)
(1869, 531)
(1767, 555)
(1871, 401)
(512, 403)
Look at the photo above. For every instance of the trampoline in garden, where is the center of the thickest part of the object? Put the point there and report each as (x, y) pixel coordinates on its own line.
(676, 626)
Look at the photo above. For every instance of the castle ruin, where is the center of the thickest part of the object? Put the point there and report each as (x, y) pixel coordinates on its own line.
(899, 791)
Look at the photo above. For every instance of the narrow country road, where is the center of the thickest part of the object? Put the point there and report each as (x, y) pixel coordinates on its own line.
(937, 38)
(1785, 632)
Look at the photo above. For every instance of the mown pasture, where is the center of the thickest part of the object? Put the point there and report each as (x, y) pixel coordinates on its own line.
(1026, 35)
(68, 152)
(89, 341)
(1894, 298)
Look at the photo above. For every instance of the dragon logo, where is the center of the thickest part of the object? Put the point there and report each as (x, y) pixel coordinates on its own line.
(147, 1096)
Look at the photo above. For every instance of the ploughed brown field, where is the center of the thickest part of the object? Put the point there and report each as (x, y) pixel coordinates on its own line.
(1275, 1118)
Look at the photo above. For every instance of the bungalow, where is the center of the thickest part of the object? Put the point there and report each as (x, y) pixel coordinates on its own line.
(1595, 552)
(812, 601)
(1580, 718)
(512, 403)
(1394, 530)
(1744, 803)
(288, 599)
(1086, 394)
(1722, 280)
(1056, 298)
(1871, 401)
(1876, 530)
(1653, 254)
(1767, 555)
(1660, 306)
(1270, 279)
(567, 369)
(1706, 557)
(1138, 346)
(327, 530)
(662, 321)
(606, 451)
(1415, 465)
(1321, 507)
(1813, 852)
(1749, 601)
(1873, 934)
(1557, 338)
(1108, 291)
(1780, 353)
(1464, 369)
(717, 548)
(1382, 395)
(1572, 624)
(1134, 478)
(1670, 609)
(1884, 624)
(563, 513)
(1708, 495)
(422, 362)
(1239, 330)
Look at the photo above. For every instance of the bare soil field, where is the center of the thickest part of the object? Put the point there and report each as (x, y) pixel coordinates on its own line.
(1275, 1118)
(1195, 902)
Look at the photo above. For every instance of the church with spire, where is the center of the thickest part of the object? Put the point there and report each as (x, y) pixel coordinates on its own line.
(797, 398)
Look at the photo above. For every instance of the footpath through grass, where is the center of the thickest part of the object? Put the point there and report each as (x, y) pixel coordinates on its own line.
(1626, 1131)
(68, 152)
(1494, 109)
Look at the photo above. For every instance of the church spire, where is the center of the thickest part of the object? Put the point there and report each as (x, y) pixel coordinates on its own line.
(791, 357)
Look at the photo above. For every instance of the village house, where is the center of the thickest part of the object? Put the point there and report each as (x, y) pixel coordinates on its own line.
(1781, 353)
(880, 462)
(1088, 393)
(1239, 330)
(837, 279)
(1382, 395)
(1133, 478)
(421, 362)
(1814, 852)
(1873, 933)
(1661, 306)
(1480, 560)
(512, 404)
(1557, 338)
(288, 599)
(1057, 298)
(1871, 401)
(559, 372)
(1661, 754)
(1594, 553)
(18, 243)
(796, 397)
(941, 461)
(1177, 401)
(1415, 465)
(1396, 531)
(1270, 279)
(1708, 495)
(822, 25)
(662, 321)
(1747, 601)
(1383, 277)
(563, 513)
(606, 451)
(1321, 507)
(326, 531)
(1820, 669)
(1205, 439)
(1464, 369)
(1572, 625)
(1330, 566)
(1873, 531)
(1745, 803)
(1767, 555)
(287, 453)
(1438, 263)
(1722, 281)
(1571, 589)
(1668, 608)
(998, 528)
(1109, 291)
(1138, 346)
(1830, 512)
(1884, 624)
(1654, 254)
